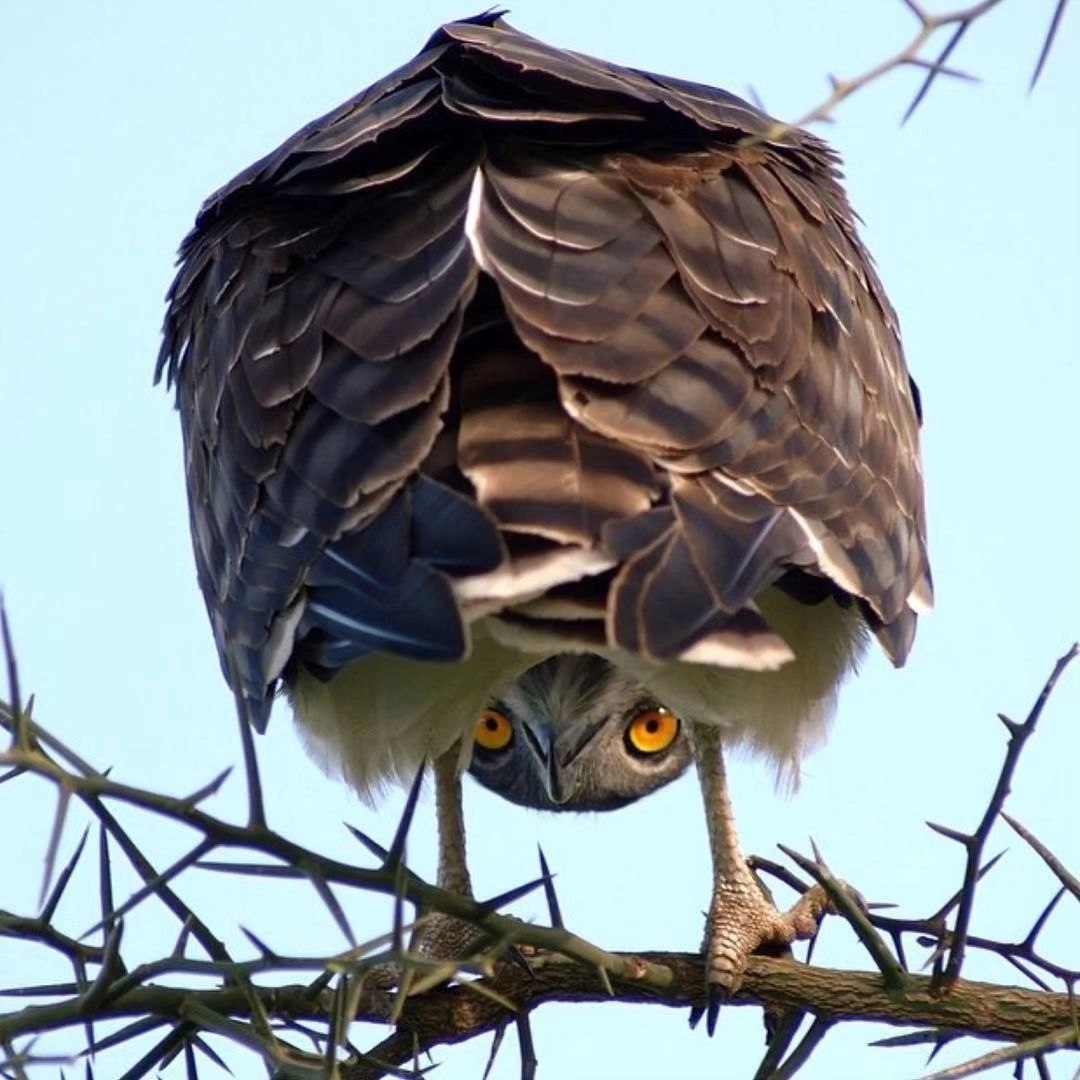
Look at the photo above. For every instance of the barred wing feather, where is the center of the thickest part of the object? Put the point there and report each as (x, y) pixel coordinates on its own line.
(517, 331)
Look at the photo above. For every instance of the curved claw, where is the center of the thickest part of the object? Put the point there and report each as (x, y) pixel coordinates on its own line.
(717, 996)
(696, 1013)
(741, 922)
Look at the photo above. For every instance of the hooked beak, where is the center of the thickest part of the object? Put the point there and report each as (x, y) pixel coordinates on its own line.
(557, 767)
(540, 739)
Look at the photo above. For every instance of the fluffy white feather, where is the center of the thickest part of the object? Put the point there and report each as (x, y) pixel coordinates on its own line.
(377, 720)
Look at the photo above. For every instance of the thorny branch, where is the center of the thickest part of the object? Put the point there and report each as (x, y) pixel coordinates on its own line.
(930, 27)
(976, 842)
(455, 1013)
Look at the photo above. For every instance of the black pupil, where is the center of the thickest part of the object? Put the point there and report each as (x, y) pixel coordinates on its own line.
(491, 724)
(652, 726)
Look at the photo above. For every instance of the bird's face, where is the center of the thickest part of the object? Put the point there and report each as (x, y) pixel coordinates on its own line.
(575, 733)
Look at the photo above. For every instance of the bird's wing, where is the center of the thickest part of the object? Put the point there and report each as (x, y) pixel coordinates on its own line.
(309, 334)
(716, 312)
(513, 295)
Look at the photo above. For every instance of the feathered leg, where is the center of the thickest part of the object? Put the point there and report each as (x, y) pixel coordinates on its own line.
(741, 918)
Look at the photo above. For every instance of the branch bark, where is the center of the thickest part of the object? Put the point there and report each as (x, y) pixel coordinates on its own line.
(452, 1014)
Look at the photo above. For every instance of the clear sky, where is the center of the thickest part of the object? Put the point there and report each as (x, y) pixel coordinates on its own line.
(119, 118)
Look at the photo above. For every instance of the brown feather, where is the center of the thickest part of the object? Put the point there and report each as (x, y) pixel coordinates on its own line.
(597, 328)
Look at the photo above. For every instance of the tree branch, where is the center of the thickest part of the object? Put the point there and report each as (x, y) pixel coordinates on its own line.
(452, 1014)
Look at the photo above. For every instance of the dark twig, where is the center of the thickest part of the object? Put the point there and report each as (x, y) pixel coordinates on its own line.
(780, 1036)
(496, 1043)
(933, 1036)
(198, 929)
(1048, 42)
(1069, 881)
(20, 729)
(63, 801)
(159, 1054)
(1016, 954)
(893, 975)
(395, 857)
(152, 887)
(909, 55)
(209, 789)
(778, 871)
(554, 914)
(105, 885)
(130, 1031)
(36, 929)
(975, 842)
(1059, 1039)
(511, 895)
(333, 905)
(959, 20)
(526, 1047)
(933, 926)
(935, 69)
(801, 1054)
(932, 932)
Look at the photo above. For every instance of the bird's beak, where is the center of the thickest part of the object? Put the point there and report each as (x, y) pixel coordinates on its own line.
(540, 739)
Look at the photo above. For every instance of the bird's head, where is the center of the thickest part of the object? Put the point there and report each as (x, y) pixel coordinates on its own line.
(576, 733)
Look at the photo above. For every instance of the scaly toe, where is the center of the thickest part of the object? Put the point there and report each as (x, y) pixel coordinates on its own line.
(446, 939)
(441, 939)
(742, 921)
(715, 998)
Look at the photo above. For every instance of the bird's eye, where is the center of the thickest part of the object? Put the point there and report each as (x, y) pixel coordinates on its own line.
(493, 730)
(652, 731)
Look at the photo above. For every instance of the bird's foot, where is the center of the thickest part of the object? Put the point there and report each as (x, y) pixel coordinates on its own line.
(742, 921)
(440, 940)
(446, 940)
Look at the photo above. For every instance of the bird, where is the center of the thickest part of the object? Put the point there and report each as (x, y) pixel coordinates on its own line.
(547, 417)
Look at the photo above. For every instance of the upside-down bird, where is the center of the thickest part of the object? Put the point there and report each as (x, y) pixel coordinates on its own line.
(551, 414)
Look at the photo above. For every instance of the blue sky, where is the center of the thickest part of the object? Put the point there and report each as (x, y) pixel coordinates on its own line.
(121, 117)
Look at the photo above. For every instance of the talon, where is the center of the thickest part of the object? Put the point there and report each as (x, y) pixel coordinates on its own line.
(717, 997)
(742, 921)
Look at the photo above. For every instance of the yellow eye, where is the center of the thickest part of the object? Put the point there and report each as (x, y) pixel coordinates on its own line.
(652, 731)
(493, 730)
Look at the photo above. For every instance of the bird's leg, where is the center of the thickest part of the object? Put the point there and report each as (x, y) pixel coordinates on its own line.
(741, 919)
(453, 870)
(439, 938)
(443, 937)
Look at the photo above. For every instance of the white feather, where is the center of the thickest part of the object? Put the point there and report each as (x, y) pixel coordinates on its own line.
(382, 716)
(779, 714)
